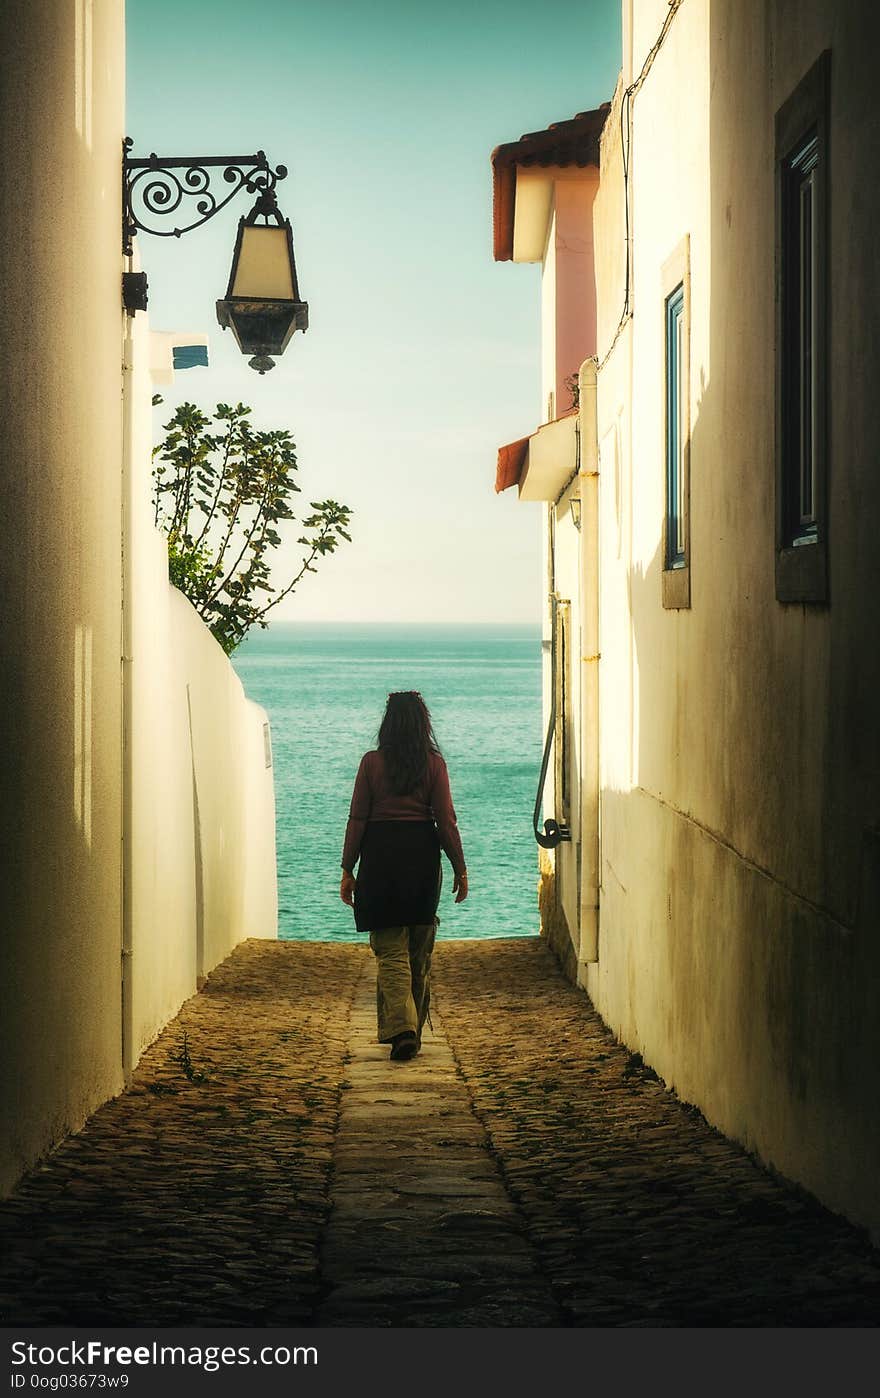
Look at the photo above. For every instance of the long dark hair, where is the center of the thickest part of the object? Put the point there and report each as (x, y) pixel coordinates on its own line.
(406, 740)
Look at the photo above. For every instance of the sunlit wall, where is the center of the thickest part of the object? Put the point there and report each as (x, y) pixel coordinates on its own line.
(61, 128)
(740, 738)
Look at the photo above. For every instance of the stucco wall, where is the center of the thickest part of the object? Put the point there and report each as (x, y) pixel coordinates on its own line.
(61, 128)
(568, 336)
(575, 327)
(203, 871)
(740, 856)
(234, 794)
(65, 1031)
(202, 813)
(568, 287)
(549, 407)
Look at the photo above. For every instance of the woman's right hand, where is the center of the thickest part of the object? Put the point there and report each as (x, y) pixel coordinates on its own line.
(460, 886)
(346, 889)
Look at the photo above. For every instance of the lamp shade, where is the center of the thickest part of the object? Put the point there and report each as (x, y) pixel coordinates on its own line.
(262, 306)
(263, 265)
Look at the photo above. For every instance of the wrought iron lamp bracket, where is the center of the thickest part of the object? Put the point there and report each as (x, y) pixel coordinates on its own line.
(152, 189)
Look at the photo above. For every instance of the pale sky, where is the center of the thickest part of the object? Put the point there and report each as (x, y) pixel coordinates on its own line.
(422, 354)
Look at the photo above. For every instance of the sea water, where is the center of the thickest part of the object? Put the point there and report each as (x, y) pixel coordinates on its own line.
(324, 688)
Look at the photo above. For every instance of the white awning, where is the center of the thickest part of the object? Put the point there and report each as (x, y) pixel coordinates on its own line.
(551, 459)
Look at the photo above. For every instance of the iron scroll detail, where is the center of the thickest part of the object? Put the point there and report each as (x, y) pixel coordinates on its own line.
(156, 187)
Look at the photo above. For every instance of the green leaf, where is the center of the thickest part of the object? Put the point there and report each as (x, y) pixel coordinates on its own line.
(220, 488)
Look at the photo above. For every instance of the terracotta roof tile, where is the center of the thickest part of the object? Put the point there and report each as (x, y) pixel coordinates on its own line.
(573, 142)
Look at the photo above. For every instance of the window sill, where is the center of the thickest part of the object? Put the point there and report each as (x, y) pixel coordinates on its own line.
(676, 585)
(802, 573)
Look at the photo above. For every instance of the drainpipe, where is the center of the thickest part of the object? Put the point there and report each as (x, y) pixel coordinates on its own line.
(127, 658)
(589, 542)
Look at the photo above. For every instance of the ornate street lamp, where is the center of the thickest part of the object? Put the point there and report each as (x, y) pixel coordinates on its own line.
(262, 304)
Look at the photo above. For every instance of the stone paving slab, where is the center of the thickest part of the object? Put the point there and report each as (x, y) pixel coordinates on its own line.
(416, 1227)
(487, 1182)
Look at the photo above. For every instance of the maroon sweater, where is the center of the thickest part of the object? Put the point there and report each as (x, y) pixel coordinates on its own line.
(373, 799)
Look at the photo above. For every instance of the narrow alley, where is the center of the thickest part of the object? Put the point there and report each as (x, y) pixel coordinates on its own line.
(269, 1165)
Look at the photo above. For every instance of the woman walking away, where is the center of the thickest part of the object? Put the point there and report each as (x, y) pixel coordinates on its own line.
(401, 815)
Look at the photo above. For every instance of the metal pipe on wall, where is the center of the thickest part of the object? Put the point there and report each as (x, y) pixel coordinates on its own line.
(589, 545)
(127, 648)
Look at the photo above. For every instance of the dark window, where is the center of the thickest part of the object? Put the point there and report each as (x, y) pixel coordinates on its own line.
(676, 571)
(800, 347)
(801, 257)
(676, 550)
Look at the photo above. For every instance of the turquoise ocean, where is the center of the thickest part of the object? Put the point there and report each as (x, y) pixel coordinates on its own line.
(324, 688)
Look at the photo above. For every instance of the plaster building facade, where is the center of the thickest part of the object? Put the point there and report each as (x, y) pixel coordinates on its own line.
(712, 660)
(130, 760)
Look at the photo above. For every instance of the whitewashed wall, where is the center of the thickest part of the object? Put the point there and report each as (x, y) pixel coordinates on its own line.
(66, 1001)
(740, 747)
(201, 864)
(61, 127)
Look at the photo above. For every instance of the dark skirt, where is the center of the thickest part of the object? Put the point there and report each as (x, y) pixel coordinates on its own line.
(398, 878)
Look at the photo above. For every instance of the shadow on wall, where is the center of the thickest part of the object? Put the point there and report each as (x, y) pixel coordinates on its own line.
(745, 939)
(751, 1000)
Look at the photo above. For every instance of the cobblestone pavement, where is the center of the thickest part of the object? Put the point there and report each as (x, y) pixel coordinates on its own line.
(198, 1202)
(525, 1170)
(640, 1212)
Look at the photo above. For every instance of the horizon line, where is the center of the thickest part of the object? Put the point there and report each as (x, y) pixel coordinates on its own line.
(346, 621)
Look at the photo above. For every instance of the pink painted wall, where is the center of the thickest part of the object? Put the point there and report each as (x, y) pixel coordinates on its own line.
(575, 279)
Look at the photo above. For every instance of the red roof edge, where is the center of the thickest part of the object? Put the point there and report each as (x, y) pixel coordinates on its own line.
(510, 464)
(503, 205)
(573, 142)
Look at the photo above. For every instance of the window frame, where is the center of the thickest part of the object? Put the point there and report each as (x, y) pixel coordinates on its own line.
(676, 571)
(801, 159)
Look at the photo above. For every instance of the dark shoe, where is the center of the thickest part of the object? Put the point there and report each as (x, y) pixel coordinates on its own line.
(404, 1046)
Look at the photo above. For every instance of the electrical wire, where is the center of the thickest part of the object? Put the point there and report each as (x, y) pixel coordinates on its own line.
(626, 103)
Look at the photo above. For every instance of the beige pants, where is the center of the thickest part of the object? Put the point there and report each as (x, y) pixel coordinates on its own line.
(403, 978)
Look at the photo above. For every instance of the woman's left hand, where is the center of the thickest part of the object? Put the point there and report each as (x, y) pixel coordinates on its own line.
(347, 888)
(460, 886)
